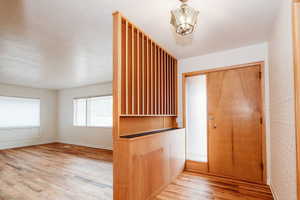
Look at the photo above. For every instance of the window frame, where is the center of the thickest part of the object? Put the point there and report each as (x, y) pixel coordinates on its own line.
(86, 111)
(23, 127)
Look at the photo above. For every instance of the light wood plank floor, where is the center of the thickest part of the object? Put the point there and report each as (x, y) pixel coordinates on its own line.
(55, 172)
(191, 186)
(69, 172)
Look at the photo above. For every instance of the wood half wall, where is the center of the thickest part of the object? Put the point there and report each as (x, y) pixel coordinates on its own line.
(148, 149)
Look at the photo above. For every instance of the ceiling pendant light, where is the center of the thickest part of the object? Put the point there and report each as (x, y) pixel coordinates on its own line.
(184, 19)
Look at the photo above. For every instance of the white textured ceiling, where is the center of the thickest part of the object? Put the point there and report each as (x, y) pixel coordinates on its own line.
(68, 43)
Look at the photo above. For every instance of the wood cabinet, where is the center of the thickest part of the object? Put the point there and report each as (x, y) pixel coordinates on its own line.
(145, 165)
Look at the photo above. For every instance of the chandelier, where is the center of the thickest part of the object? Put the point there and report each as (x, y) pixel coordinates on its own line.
(184, 19)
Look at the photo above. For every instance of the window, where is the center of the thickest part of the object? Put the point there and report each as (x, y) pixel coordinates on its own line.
(79, 112)
(93, 111)
(197, 118)
(19, 112)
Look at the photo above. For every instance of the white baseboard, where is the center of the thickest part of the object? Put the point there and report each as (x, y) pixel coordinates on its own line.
(24, 143)
(274, 192)
(38, 141)
(86, 145)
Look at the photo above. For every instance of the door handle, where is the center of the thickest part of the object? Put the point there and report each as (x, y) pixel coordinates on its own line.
(212, 118)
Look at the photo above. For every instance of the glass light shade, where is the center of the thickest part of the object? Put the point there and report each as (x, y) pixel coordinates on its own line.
(184, 19)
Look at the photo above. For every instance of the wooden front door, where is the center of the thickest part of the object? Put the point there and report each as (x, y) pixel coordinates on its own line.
(235, 123)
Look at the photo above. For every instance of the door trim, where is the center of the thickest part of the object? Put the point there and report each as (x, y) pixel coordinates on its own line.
(218, 69)
(296, 43)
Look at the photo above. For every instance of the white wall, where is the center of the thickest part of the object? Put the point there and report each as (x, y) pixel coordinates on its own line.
(238, 56)
(283, 150)
(92, 137)
(31, 136)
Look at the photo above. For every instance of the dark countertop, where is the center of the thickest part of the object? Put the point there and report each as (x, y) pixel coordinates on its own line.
(148, 133)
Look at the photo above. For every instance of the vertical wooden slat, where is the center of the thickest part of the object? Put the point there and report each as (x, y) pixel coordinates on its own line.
(171, 85)
(159, 80)
(138, 84)
(171, 82)
(162, 96)
(171, 75)
(165, 85)
(151, 79)
(129, 73)
(143, 75)
(155, 79)
(172, 89)
(163, 79)
(145, 42)
(126, 60)
(148, 76)
(163, 82)
(117, 65)
(168, 85)
(123, 68)
(176, 87)
(133, 71)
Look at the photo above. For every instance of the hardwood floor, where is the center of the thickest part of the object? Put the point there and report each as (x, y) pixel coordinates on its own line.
(69, 172)
(191, 186)
(55, 172)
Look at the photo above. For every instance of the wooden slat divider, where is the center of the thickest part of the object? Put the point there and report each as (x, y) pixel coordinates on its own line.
(148, 75)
